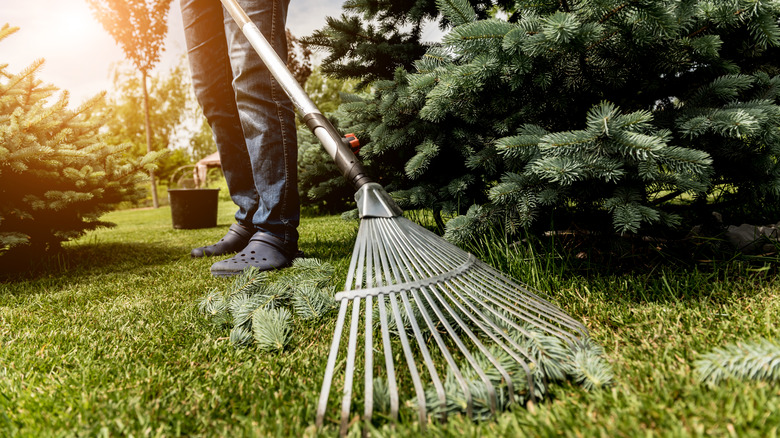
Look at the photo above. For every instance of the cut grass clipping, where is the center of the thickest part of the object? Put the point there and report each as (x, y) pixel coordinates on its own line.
(261, 309)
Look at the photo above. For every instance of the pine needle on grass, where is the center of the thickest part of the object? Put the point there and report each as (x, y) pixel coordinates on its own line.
(754, 360)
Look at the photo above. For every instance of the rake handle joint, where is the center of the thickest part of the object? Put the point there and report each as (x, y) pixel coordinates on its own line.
(345, 159)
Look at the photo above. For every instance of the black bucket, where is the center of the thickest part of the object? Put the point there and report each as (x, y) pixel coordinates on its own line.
(193, 208)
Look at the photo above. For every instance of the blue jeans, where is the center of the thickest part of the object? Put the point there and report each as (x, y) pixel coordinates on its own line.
(252, 118)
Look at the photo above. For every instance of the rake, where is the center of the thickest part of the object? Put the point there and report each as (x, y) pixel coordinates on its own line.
(435, 303)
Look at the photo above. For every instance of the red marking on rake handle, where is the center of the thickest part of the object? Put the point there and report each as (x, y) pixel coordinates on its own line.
(352, 141)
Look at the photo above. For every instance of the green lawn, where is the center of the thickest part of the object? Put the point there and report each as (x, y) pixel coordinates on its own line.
(107, 341)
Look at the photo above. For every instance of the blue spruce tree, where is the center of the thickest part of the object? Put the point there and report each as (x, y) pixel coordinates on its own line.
(622, 116)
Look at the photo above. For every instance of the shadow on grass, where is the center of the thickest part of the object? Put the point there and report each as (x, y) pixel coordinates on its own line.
(90, 258)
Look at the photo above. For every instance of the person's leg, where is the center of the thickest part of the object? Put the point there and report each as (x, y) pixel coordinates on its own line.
(212, 76)
(268, 122)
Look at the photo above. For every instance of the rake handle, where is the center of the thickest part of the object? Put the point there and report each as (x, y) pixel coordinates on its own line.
(326, 133)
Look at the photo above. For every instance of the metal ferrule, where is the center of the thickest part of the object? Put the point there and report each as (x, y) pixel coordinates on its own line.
(374, 201)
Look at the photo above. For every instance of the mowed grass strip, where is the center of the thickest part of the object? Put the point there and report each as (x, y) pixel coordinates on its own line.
(107, 341)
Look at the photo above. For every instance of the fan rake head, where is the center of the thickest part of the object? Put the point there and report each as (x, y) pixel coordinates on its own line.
(426, 302)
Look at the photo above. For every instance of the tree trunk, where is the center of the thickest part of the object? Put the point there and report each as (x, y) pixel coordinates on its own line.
(155, 201)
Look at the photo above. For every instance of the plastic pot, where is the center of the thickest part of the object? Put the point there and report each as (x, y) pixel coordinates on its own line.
(193, 208)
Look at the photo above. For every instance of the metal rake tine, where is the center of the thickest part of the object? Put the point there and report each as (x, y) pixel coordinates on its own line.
(485, 272)
(453, 334)
(352, 341)
(425, 239)
(392, 385)
(360, 250)
(520, 292)
(427, 358)
(405, 346)
(522, 362)
(369, 364)
(355, 295)
(490, 291)
(466, 287)
(493, 360)
(375, 277)
(469, 357)
(467, 284)
(397, 260)
(389, 260)
(418, 387)
(477, 317)
(444, 287)
(492, 335)
(350, 370)
(486, 298)
(329, 368)
(327, 380)
(475, 304)
(401, 240)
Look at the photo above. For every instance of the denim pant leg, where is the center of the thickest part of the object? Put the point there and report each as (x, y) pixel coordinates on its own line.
(268, 120)
(251, 117)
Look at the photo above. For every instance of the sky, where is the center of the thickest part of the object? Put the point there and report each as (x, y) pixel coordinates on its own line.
(79, 55)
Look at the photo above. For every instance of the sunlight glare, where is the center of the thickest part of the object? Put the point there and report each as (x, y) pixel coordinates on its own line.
(79, 26)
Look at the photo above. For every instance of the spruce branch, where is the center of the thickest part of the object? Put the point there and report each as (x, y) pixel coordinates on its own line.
(271, 328)
(456, 400)
(209, 302)
(523, 146)
(561, 170)
(381, 393)
(582, 362)
(457, 11)
(215, 308)
(588, 367)
(312, 302)
(256, 297)
(243, 305)
(550, 352)
(419, 163)
(6, 30)
(753, 360)
(241, 336)
(310, 271)
(248, 282)
(613, 12)
(478, 36)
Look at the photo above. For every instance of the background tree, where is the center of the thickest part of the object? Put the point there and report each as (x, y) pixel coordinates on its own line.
(173, 113)
(374, 37)
(139, 27)
(298, 58)
(56, 175)
(202, 141)
(633, 114)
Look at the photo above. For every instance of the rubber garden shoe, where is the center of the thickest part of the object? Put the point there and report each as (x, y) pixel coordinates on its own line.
(264, 251)
(237, 238)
